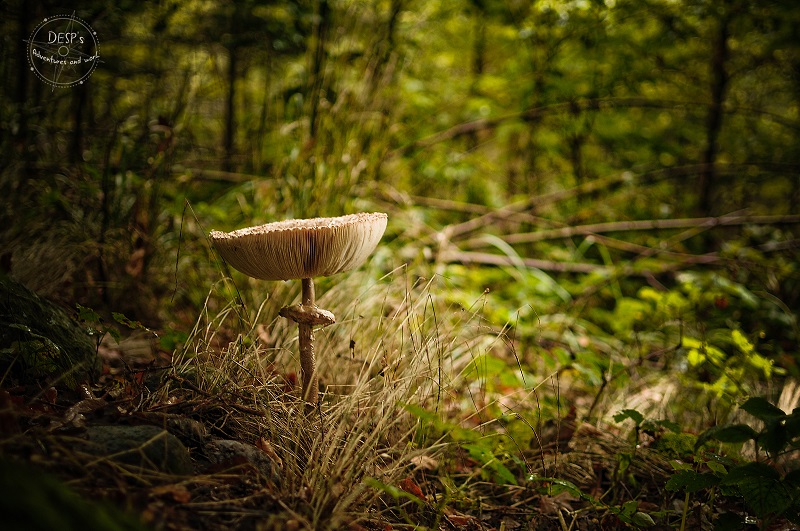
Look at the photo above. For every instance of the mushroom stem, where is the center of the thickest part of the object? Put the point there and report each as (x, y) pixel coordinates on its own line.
(308, 369)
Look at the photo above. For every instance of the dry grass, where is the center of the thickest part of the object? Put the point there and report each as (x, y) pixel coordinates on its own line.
(395, 344)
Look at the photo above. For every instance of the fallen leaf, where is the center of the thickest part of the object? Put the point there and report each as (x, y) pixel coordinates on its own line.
(50, 395)
(266, 447)
(424, 462)
(458, 519)
(554, 504)
(411, 487)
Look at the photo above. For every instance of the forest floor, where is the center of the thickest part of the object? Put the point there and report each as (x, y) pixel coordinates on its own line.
(238, 486)
(193, 438)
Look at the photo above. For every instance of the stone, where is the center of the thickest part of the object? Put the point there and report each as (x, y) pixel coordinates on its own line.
(223, 453)
(149, 447)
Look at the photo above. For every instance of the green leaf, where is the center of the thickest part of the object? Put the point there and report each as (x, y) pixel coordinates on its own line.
(766, 496)
(746, 472)
(88, 315)
(762, 488)
(761, 409)
(632, 414)
(630, 507)
(733, 433)
(741, 341)
(133, 325)
(670, 425)
(484, 455)
(113, 332)
(773, 438)
(679, 465)
(557, 486)
(641, 519)
(717, 468)
(691, 481)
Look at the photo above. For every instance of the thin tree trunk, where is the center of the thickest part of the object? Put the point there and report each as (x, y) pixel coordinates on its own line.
(21, 89)
(318, 64)
(258, 159)
(478, 64)
(230, 118)
(719, 82)
(78, 104)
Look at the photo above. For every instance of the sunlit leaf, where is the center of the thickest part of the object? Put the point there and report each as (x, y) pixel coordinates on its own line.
(632, 414)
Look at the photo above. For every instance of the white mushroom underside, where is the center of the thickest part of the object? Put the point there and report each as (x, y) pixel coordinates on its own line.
(301, 248)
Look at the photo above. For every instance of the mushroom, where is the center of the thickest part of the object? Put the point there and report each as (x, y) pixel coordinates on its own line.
(303, 249)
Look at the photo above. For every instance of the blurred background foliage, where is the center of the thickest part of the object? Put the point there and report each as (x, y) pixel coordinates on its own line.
(612, 186)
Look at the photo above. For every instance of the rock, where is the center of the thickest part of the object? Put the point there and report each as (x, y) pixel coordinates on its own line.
(227, 454)
(190, 432)
(148, 447)
(39, 341)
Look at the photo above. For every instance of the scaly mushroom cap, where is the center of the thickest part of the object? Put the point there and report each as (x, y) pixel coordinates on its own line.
(301, 248)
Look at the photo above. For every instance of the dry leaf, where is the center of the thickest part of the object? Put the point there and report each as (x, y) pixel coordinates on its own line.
(554, 504)
(457, 519)
(424, 462)
(411, 487)
(50, 395)
(266, 447)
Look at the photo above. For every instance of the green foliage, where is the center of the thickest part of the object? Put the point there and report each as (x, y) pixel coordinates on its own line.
(628, 512)
(646, 425)
(481, 448)
(780, 434)
(766, 491)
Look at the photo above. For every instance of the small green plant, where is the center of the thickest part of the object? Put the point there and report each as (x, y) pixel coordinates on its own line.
(480, 448)
(644, 425)
(628, 512)
(769, 489)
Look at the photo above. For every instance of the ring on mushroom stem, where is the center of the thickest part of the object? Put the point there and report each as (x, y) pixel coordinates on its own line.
(303, 249)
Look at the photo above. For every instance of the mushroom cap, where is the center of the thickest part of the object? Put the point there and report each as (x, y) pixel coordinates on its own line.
(302, 248)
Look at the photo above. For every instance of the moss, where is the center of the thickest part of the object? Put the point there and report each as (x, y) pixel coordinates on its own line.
(39, 341)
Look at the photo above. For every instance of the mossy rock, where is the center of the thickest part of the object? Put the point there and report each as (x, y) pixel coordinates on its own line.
(147, 447)
(39, 342)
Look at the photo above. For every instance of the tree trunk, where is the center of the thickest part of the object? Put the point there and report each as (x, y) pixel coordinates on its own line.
(78, 105)
(318, 64)
(230, 110)
(719, 82)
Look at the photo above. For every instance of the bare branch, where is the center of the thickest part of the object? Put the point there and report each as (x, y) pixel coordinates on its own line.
(639, 225)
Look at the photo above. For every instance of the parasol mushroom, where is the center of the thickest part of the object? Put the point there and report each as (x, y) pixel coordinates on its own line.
(303, 249)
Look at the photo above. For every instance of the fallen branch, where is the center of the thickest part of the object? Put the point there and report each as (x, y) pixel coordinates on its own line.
(639, 225)
(530, 204)
(465, 257)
